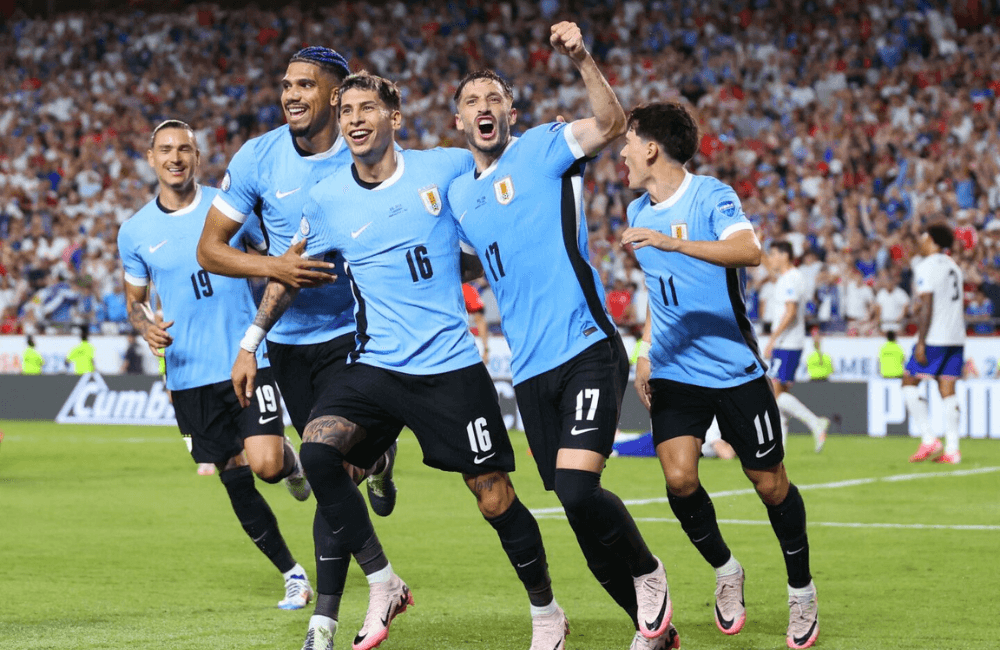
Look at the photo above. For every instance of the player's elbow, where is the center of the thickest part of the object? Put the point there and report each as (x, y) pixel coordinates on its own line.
(206, 255)
(614, 125)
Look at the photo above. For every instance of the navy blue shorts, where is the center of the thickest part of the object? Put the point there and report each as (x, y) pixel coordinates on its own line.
(942, 361)
(784, 363)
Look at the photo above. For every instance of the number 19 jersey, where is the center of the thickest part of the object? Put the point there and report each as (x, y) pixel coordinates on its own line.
(210, 312)
(701, 333)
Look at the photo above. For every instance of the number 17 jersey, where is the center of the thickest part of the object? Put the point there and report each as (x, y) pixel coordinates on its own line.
(701, 333)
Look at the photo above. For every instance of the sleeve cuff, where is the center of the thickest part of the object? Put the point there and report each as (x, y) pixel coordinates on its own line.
(136, 282)
(220, 204)
(574, 145)
(736, 227)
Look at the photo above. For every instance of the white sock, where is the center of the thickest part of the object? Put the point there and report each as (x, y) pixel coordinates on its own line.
(952, 415)
(297, 569)
(791, 405)
(729, 568)
(382, 575)
(917, 408)
(784, 427)
(323, 621)
(545, 610)
(808, 590)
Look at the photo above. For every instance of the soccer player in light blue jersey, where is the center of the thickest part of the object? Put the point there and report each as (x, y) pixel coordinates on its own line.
(157, 246)
(415, 362)
(267, 182)
(700, 356)
(522, 212)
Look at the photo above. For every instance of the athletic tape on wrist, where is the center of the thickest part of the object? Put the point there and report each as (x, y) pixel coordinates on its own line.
(251, 340)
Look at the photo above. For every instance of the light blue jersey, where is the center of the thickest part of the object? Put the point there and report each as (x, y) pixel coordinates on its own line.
(701, 333)
(524, 217)
(210, 312)
(403, 256)
(270, 178)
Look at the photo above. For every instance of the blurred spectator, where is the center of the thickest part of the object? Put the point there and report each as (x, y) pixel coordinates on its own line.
(477, 311)
(619, 301)
(891, 357)
(131, 359)
(892, 304)
(979, 314)
(859, 305)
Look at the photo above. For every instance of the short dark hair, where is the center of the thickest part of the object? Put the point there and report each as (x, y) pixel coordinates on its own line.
(168, 124)
(387, 91)
(31, 341)
(891, 335)
(669, 125)
(488, 75)
(942, 235)
(784, 247)
(329, 60)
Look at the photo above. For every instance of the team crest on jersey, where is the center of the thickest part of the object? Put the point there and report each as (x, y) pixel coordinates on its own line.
(432, 199)
(304, 227)
(679, 230)
(727, 208)
(226, 182)
(504, 189)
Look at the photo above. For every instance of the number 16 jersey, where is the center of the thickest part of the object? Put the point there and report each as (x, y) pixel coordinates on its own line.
(701, 333)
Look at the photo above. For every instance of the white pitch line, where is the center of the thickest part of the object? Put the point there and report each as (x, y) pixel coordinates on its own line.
(826, 524)
(814, 486)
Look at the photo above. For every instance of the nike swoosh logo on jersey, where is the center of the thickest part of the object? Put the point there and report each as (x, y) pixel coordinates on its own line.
(477, 460)
(264, 420)
(354, 235)
(281, 195)
(575, 432)
(761, 454)
(153, 249)
(463, 216)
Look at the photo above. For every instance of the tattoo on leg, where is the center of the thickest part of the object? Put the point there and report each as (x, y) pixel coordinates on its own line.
(335, 431)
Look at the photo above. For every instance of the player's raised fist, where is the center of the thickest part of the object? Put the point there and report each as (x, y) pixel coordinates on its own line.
(567, 39)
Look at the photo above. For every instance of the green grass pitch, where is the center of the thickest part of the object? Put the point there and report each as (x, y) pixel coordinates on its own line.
(108, 539)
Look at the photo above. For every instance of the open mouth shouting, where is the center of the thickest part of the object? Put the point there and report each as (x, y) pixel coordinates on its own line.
(486, 125)
(295, 111)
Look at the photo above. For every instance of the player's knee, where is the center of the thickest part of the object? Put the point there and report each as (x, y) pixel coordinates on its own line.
(771, 488)
(576, 489)
(320, 461)
(494, 493)
(268, 468)
(238, 482)
(681, 481)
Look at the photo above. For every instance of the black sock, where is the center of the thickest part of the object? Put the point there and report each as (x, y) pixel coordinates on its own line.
(522, 541)
(788, 519)
(330, 574)
(611, 571)
(341, 506)
(256, 517)
(287, 466)
(581, 494)
(697, 516)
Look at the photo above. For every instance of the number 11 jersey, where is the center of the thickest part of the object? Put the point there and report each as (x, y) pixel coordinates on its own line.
(701, 333)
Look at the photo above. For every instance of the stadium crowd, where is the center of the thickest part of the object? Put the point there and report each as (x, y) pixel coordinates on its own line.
(844, 126)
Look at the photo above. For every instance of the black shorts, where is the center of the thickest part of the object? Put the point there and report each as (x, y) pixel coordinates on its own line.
(216, 423)
(748, 417)
(575, 405)
(454, 415)
(304, 372)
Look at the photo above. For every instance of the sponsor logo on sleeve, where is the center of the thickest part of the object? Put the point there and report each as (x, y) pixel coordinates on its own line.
(728, 208)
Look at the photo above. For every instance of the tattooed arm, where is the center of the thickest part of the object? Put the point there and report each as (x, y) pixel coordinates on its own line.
(277, 298)
(151, 328)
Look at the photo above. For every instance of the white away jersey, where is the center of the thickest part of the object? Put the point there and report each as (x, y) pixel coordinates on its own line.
(941, 277)
(790, 287)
